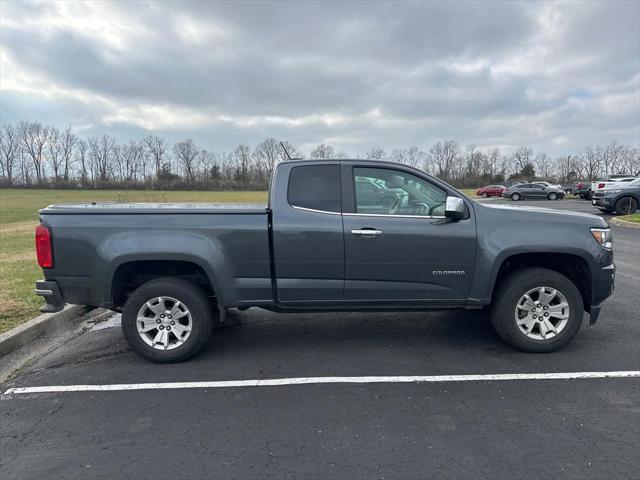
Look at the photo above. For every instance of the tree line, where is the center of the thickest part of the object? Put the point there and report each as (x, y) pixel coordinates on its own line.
(41, 156)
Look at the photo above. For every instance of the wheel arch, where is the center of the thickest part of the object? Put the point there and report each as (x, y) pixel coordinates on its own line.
(572, 265)
(129, 273)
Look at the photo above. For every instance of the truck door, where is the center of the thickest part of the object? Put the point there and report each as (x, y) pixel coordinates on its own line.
(408, 252)
(308, 243)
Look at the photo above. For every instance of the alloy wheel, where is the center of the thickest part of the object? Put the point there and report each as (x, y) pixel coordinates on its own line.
(164, 323)
(542, 313)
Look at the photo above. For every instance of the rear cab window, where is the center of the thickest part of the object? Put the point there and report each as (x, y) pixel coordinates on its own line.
(315, 187)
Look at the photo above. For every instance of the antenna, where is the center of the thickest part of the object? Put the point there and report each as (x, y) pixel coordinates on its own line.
(285, 150)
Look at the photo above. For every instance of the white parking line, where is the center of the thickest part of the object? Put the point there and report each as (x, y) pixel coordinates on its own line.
(274, 382)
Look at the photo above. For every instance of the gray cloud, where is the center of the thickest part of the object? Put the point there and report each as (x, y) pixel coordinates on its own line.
(552, 75)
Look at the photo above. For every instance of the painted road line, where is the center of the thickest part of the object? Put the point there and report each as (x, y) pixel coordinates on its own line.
(276, 382)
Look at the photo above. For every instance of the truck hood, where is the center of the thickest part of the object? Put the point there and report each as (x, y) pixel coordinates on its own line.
(527, 214)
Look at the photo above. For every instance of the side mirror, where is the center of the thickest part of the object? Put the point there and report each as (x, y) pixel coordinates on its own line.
(454, 208)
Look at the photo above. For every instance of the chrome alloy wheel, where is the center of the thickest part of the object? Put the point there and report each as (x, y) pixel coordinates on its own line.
(164, 323)
(542, 313)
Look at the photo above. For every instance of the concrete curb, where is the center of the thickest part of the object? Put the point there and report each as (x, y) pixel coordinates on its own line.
(623, 223)
(45, 324)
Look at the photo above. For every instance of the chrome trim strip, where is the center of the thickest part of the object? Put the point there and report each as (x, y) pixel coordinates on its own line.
(43, 292)
(367, 232)
(304, 209)
(609, 267)
(390, 216)
(315, 211)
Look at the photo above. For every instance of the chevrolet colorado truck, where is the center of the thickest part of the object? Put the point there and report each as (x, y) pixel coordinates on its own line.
(325, 243)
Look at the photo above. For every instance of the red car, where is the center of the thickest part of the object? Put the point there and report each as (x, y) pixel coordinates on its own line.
(490, 191)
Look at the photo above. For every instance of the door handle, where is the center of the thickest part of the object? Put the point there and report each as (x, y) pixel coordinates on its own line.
(367, 231)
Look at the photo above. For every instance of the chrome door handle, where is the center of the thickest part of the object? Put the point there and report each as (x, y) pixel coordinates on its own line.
(366, 232)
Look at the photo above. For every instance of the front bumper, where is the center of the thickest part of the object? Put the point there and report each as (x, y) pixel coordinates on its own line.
(603, 285)
(50, 291)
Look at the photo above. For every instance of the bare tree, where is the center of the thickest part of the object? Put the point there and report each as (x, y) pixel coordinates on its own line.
(267, 154)
(523, 157)
(186, 153)
(377, 153)
(156, 148)
(68, 143)
(33, 136)
(323, 152)
(242, 157)
(54, 153)
(100, 153)
(444, 155)
(83, 160)
(10, 150)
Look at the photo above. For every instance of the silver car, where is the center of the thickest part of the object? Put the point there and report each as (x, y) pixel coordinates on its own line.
(533, 190)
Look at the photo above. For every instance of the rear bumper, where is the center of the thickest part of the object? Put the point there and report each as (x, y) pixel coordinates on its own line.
(50, 291)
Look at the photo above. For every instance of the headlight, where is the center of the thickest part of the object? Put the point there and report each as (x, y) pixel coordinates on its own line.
(603, 237)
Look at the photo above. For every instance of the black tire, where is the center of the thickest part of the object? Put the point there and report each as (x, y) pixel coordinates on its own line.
(515, 197)
(509, 292)
(552, 196)
(626, 206)
(191, 296)
(484, 195)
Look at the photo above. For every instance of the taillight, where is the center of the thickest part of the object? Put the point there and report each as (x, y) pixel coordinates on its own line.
(601, 185)
(44, 249)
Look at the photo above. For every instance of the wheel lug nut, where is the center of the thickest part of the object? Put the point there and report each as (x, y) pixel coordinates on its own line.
(535, 316)
(546, 314)
(161, 327)
(168, 328)
(162, 316)
(158, 321)
(169, 316)
(172, 322)
(533, 309)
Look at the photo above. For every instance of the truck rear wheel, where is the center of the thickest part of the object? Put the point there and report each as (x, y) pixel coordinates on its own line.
(537, 310)
(167, 320)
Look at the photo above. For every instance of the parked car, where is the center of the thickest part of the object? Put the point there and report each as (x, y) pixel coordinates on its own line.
(490, 191)
(174, 270)
(582, 189)
(532, 190)
(621, 197)
(599, 184)
(374, 193)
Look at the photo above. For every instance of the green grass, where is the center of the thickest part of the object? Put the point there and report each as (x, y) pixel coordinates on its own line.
(635, 218)
(19, 216)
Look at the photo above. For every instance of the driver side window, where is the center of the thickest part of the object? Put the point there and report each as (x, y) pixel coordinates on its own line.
(385, 191)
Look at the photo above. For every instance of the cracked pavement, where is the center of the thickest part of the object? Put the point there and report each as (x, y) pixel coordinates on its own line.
(582, 429)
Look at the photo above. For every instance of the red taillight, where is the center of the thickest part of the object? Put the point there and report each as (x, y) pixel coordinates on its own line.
(601, 185)
(43, 247)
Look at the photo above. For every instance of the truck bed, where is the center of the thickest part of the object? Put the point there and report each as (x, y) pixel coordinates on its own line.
(110, 208)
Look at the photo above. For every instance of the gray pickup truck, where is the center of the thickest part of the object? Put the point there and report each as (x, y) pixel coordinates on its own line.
(327, 241)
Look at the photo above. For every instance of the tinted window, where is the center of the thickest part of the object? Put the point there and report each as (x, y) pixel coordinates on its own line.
(316, 187)
(397, 193)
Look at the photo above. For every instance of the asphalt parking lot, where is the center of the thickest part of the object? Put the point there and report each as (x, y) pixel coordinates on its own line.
(537, 428)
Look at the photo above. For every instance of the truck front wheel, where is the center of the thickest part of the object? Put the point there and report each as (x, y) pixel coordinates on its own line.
(167, 320)
(537, 310)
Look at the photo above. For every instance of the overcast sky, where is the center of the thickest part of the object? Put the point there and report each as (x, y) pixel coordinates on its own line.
(554, 76)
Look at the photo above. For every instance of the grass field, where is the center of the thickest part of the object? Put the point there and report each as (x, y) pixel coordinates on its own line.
(19, 216)
(635, 218)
